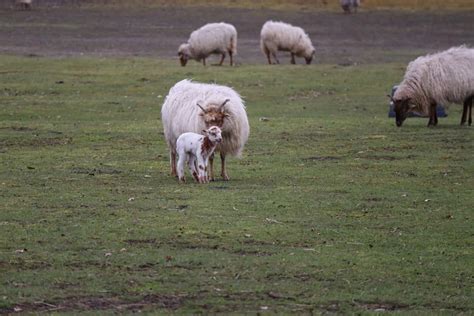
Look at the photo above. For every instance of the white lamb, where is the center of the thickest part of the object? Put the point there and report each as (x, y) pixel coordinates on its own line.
(196, 150)
(280, 36)
(212, 38)
(192, 107)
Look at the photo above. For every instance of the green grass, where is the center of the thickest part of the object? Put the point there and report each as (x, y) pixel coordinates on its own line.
(331, 208)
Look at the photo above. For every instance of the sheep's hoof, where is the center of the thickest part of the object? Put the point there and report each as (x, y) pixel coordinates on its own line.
(182, 180)
(225, 177)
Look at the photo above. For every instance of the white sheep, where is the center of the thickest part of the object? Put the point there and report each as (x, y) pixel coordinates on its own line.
(196, 150)
(24, 4)
(441, 78)
(192, 107)
(212, 38)
(280, 36)
(349, 6)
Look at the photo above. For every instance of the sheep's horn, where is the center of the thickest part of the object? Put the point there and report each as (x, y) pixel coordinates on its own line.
(222, 105)
(201, 107)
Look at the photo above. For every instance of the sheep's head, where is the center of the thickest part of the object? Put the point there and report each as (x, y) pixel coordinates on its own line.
(183, 53)
(401, 107)
(214, 115)
(310, 57)
(214, 134)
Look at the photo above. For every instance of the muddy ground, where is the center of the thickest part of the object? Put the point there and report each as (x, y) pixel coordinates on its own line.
(366, 37)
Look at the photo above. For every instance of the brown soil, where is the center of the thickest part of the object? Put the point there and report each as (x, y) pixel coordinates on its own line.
(365, 37)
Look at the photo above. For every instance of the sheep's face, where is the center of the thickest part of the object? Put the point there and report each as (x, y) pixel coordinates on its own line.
(214, 134)
(214, 115)
(309, 59)
(401, 107)
(183, 54)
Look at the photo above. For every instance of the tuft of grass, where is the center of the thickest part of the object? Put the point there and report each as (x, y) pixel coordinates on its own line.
(331, 208)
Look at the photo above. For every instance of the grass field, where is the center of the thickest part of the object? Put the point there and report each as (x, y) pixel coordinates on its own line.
(331, 208)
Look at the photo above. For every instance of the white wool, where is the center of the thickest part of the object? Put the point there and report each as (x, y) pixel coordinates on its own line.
(212, 38)
(180, 114)
(280, 36)
(441, 78)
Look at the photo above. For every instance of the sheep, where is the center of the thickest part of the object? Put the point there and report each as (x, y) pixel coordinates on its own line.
(24, 4)
(196, 149)
(212, 38)
(439, 78)
(349, 6)
(192, 107)
(280, 36)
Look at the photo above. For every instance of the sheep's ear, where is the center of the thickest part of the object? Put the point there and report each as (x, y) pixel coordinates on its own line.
(201, 107)
(221, 107)
(204, 131)
(390, 97)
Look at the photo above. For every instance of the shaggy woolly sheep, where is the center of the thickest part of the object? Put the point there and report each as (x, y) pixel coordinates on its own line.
(192, 107)
(24, 4)
(212, 38)
(280, 36)
(349, 6)
(440, 78)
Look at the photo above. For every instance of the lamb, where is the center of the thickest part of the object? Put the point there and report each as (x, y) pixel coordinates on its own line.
(212, 38)
(196, 149)
(280, 36)
(192, 107)
(24, 4)
(349, 6)
(439, 78)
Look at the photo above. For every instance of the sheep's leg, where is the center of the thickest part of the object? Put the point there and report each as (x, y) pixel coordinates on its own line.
(211, 167)
(201, 170)
(293, 59)
(173, 162)
(231, 58)
(181, 162)
(275, 57)
(222, 59)
(470, 112)
(269, 58)
(204, 61)
(192, 167)
(464, 111)
(224, 174)
(433, 117)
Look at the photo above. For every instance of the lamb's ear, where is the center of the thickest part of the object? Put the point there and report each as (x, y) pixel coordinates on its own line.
(204, 131)
(197, 103)
(221, 107)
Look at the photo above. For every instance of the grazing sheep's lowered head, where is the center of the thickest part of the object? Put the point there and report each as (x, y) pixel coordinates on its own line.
(308, 55)
(402, 107)
(184, 53)
(214, 114)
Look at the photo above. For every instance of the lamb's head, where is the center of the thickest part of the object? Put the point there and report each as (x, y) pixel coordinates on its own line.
(184, 52)
(214, 115)
(214, 134)
(402, 107)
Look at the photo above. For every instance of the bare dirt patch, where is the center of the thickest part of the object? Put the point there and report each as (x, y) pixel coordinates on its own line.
(366, 37)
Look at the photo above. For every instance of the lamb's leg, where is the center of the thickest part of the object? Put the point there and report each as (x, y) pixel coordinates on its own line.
(224, 174)
(192, 167)
(211, 167)
(293, 59)
(222, 59)
(181, 162)
(201, 170)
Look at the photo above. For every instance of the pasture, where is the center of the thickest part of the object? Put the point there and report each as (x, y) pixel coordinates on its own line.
(331, 208)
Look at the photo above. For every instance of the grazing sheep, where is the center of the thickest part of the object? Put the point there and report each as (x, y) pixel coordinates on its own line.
(196, 150)
(280, 36)
(212, 38)
(349, 6)
(192, 107)
(24, 4)
(440, 78)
